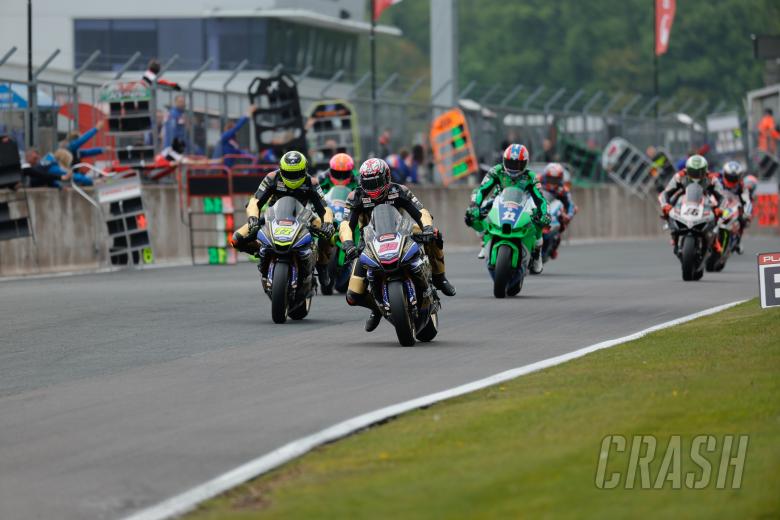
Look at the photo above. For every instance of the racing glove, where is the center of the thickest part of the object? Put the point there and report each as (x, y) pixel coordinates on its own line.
(541, 219)
(471, 215)
(253, 223)
(426, 235)
(666, 209)
(327, 229)
(718, 212)
(350, 251)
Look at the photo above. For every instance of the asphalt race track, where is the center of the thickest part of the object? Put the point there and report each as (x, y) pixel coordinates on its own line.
(120, 390)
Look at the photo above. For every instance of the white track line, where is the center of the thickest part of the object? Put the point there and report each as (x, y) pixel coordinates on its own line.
(190, 499)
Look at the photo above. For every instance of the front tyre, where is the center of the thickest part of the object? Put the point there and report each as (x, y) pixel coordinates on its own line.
(279, 292)
(399, 312)
(503, 271)
(689, 259)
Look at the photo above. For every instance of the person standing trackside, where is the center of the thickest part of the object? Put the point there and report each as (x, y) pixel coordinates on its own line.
(176, 124)
(767, 133)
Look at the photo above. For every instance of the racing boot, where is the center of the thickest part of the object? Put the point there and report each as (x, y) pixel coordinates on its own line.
(537, 266)
(441, 283)
(373, 320)
(481, 254)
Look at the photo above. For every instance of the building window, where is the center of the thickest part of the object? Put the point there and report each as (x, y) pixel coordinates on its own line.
(183, 37)
(263, 42)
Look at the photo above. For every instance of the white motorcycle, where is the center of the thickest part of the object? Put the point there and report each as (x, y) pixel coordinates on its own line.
(693, 221)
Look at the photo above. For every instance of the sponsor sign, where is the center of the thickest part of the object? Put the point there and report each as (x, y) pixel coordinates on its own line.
(769, 279)
(119, 190)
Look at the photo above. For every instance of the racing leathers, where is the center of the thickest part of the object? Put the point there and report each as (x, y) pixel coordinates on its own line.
(358, 213)
(271, 189)
(326, 184)
(563, 194)
(742, 194)
(676, 187)
(495, 181)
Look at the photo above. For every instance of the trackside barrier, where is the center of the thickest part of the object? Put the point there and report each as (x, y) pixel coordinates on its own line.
(209, 192)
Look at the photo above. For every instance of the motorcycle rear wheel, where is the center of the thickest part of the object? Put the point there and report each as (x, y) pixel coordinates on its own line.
(399, 311)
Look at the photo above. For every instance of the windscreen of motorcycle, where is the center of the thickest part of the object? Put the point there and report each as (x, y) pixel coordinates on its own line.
(284, 217)
(337, 200)
(511, 204)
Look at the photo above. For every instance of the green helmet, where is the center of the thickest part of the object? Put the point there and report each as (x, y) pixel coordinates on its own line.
(293, 169)
(696, 168)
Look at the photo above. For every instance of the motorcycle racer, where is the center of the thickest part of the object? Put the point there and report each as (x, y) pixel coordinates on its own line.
(375, 187)
(553, 181)
(696, 170)
(290, 180)
(732, 181)
(340, 172)
(513, 172)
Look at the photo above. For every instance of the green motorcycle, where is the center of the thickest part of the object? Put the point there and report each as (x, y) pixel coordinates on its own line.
(510, 235)
(339, 269)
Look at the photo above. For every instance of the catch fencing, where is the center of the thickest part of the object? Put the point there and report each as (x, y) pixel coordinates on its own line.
(496, 114)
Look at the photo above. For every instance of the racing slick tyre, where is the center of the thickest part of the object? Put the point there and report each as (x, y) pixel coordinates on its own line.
(400, 314)
(688, 258)
(503, 271)
(279, 292)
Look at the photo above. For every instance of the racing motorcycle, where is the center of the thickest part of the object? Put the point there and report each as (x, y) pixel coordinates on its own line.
(339, 269)
(727, 235)
(692, 221)
(287, 256)
(510, 235)
(552, 233)
(399, 276)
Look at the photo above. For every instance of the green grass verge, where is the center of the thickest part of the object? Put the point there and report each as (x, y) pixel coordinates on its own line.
(529, 447)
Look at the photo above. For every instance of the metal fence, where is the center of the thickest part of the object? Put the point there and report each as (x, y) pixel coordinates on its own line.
(530, 114)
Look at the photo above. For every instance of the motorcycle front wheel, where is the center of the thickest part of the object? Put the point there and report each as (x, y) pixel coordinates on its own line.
(399, 311)
(279, 292)
(503, 271)
(689, 259)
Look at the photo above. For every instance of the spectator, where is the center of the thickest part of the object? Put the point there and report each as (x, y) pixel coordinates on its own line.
(767, 133)
(59, 164)
(176, 124)
(75, 142)
(400, 166)
(151, 74)
(417, 160)
(228, 144)
(548, 151)
(38, 175)
(384, 143)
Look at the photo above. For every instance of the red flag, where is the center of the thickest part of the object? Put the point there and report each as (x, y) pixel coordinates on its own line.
(381, 5)
(664, 16)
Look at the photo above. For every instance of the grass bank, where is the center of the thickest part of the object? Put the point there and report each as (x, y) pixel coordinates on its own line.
(530, 447)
